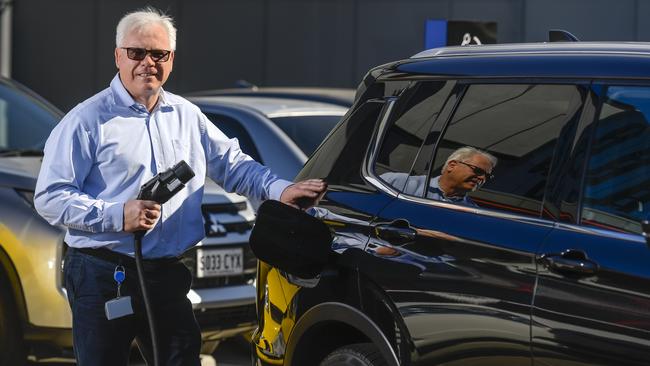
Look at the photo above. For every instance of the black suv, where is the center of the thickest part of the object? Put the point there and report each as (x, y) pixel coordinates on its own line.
(549, 265)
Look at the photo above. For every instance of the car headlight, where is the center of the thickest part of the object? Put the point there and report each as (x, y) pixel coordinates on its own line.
(265, 300)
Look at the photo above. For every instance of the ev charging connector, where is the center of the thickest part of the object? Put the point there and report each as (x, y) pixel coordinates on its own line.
(160, 188)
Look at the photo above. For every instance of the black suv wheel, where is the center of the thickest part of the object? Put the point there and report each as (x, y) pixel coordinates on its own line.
(358, 354)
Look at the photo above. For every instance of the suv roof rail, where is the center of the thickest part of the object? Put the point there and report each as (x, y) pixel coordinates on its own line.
(560, 35)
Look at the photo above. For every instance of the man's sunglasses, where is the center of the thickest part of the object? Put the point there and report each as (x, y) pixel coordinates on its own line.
(478, 171)
(138, 54)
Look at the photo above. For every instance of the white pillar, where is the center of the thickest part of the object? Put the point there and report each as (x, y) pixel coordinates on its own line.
(5, 38)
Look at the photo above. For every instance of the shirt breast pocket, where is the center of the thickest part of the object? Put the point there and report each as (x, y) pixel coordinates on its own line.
(181, 151)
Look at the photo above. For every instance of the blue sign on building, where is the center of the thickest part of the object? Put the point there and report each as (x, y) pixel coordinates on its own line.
(440, 33)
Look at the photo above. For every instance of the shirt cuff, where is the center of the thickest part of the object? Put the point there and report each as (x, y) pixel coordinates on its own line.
(113, 217)
(277, 187)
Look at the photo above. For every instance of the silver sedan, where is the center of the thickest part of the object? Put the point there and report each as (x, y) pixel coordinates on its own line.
(278, 132)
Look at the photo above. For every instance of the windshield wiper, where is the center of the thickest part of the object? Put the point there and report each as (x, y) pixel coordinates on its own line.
(20, 152)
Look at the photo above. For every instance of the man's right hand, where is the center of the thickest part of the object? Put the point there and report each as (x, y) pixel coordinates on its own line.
(140, 215)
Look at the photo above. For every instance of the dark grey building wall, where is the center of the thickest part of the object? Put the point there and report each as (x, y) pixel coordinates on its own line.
(64, 49)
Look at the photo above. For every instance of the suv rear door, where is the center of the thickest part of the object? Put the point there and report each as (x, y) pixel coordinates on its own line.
(592, 304)
(463, 277)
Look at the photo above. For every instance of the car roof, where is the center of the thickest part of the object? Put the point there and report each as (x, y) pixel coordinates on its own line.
(15, 85)
(544, 47)
(340, 96)
(273, 107)
(617, 60)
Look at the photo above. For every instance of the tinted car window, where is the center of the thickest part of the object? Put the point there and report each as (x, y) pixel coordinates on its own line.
(413, 114)
(306, 131)
(340, 158)
(520, 125)
(617, 193)
(24, 123)
(231, 128)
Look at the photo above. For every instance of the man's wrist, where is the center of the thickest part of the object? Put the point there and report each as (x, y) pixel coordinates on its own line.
(277, 188)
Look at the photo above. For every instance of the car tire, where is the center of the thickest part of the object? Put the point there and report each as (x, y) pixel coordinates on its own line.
(358, 354)
(11, 337)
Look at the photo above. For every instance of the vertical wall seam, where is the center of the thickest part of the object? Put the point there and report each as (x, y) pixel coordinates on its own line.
(637, 33)
(178, 72)
(355, 43)
(265, 42)
(95, 47)
(522, 22)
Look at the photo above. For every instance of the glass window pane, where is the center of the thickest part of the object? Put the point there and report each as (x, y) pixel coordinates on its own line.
(617, 193)
(411, 119)
(233, 129)
(307, 131)
(24, 122)
(342, 155)
(519, 125)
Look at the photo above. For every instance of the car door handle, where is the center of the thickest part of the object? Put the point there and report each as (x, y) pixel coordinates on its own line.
(398, 232)
(570, 261)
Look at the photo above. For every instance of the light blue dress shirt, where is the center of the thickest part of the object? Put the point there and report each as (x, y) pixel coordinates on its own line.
(105, 148)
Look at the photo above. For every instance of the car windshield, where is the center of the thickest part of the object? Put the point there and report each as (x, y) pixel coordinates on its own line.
(307, 131)
(25, 121)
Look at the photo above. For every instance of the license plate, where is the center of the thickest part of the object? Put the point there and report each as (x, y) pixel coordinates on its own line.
(219, 262)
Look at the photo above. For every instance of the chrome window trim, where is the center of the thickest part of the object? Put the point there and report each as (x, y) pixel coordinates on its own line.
(590, 230)
(477, 210)
(629, 237)
(373, 149)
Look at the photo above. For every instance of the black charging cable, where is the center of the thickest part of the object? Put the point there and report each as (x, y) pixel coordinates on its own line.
(160, 188)
(153, 334)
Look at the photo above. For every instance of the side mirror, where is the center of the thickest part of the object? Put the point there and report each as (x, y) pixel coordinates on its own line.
(645, 226)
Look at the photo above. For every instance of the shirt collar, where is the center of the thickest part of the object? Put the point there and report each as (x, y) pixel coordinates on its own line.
(124, 99)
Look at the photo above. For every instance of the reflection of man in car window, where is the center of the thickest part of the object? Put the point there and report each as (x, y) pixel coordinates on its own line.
(465, 170)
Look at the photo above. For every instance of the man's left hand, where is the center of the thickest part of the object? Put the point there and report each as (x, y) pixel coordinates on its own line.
(304, 194)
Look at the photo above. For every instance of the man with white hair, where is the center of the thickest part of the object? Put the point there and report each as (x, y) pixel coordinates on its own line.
(95, 161)
(465, 170)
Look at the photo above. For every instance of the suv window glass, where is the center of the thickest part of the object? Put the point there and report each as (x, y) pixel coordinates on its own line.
(340, 157)
(232, 128)
(617, 190)
(413, 114)
(519, 125)
(24, 123)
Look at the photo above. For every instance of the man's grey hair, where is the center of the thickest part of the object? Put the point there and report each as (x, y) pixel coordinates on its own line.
(142, 18)
(467, 152)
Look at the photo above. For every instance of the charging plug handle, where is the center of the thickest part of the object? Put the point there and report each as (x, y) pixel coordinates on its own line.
(165, 185)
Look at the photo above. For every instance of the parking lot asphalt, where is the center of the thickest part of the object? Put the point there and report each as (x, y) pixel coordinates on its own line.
(232, 352)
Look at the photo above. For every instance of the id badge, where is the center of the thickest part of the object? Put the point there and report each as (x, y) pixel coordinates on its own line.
(118, 307)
